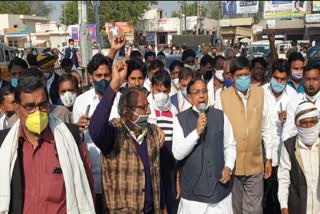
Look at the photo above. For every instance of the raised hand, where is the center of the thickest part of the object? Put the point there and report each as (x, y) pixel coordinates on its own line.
(119, 74)
(118, 42)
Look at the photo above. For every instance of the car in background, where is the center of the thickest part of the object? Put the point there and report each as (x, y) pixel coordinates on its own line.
(313, 54)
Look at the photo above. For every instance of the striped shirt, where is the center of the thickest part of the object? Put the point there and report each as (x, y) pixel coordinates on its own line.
(165, 122)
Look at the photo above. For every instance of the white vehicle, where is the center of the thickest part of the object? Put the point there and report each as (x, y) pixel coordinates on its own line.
(262, 49)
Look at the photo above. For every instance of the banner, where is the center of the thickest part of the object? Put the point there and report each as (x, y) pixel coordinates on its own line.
(315, 6)
(231, 8)
(116, 28)
(92, 32)
(283, 9)
(75, 33)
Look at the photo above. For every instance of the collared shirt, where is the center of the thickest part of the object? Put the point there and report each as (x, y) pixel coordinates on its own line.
(289, 128)
(300, 88)
(79, 108)
(183, 102)
(114, 110)
(275, 106)
(44, 186)
(310, 161)
(3, 121)
(267, 130)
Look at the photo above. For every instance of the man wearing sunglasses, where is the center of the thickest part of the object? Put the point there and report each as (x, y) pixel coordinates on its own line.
(46, 164)
(130, 149)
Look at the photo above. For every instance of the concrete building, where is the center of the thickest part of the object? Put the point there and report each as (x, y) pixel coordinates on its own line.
(15, 30)
(159, 29)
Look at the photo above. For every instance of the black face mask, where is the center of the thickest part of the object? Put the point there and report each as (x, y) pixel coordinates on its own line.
(207, 76)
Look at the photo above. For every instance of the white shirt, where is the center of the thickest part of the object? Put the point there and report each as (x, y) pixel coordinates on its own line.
(79, 108)
(310, 161)
(3, 121)
(147, 84)
(211, 92)
(114, 110)
(275, 107)
(183, 103)
(49, 83)
(183, 146)
(289, 128)
(267, 130)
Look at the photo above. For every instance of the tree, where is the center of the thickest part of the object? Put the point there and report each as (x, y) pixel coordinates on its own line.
(110, 11)
(14, 7)
(191, 9)
(214, 10)
(40, 8)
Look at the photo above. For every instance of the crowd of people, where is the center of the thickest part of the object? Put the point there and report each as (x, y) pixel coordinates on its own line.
(218, 134)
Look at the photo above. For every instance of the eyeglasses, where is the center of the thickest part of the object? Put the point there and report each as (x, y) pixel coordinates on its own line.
(31, 107)
(198, 91)
(102, 75)
(142, 107)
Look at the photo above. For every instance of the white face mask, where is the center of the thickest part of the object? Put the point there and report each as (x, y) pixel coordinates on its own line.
(296, 74)
(308, 136)
(175, 82)
(47, 75)
(68, 98)
(192, 67)
(162, 101)
(219, 75)
(314, 97)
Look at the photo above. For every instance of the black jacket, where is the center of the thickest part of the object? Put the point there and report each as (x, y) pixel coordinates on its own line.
(54, 90)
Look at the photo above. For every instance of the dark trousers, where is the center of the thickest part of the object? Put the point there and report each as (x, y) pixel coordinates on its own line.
(270, 200)
(99, 204)
(168, 181)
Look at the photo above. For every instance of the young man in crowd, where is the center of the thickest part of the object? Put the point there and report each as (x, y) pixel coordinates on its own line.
(258, 71)
(153, 68)
(71, 53)
(277, 95)
(249, 114)
(298, 172)
(149, 57)
(311, 84)
(180, 99)
(174, 69)
(130, 148)
(53, 173)
(296, 64)
(188, 59)
(204, 143)
(136, 75)
(16, 67)
(162, 113)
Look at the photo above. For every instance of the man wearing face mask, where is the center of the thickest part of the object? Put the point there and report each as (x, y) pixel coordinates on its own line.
(298, 172)
(50, 167)
(162, 114)
(71, 53)
(203, 141)
(174, 69)
(130, 148)
(68, 90)
(16, 67)
(99, 69)
(135, 78)
(7, 107)
(296, 63)
(153, 68)
(311, 84)
(277, 96)
(188, 59)
(46, 66)
(180, 100)
(249, 114)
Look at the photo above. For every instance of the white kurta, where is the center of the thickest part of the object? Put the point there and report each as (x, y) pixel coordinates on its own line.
(183, 146)
(310, 161)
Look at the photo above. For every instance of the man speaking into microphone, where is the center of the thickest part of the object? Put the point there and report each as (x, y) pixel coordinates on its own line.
(204, 144)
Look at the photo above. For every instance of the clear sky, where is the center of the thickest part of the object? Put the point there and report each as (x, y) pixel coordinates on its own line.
(168, 7)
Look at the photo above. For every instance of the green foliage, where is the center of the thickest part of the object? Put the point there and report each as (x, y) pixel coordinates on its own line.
(191, 9)
(40, 8)
(14, 7)
(110, 11)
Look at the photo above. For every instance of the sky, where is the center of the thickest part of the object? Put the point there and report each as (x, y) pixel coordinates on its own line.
(168, 7)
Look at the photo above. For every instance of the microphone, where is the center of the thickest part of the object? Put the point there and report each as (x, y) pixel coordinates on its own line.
(202, 107)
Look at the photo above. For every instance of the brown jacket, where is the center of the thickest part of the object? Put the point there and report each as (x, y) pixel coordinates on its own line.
(123, 173)
(246, 127)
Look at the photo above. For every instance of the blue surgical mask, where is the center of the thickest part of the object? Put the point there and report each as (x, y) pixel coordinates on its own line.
(228, 82)
(101, 86)
(142, 120)
(14, 82)
(243, 83)
(276, 86)
(184, 92)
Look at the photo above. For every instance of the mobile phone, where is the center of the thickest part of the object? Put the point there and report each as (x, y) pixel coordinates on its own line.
(281, 109)
(87, 110)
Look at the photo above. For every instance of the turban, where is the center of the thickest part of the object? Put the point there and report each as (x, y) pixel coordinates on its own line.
(306, 110)
(45, 61)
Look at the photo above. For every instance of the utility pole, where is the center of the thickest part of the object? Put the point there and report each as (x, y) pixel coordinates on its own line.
(185, 16)
(85, 46)
(96, 5)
